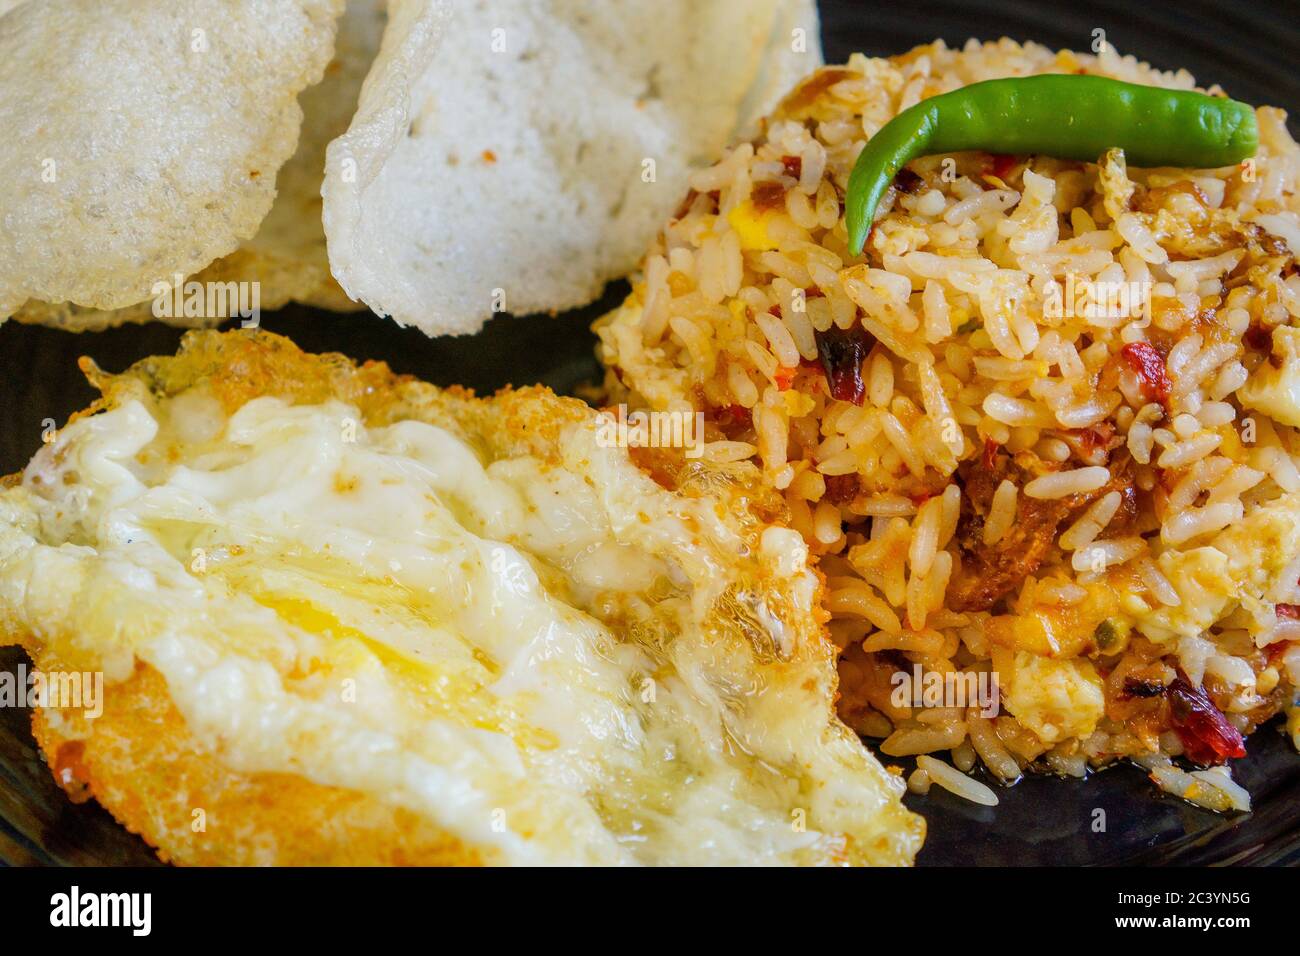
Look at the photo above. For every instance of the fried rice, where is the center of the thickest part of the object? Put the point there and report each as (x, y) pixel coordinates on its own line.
(1099, 506)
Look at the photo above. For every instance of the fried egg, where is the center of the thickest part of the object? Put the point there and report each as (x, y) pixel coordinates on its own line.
(346, 617)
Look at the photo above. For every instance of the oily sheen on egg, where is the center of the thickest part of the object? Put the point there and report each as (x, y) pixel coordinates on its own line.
(549, 655)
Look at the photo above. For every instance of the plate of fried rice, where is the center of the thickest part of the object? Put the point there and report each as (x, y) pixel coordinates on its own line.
(1095, 534)
(1042, 436)
(1101, 545)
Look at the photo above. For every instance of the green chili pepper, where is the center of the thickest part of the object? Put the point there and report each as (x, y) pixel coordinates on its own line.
(1067, 116)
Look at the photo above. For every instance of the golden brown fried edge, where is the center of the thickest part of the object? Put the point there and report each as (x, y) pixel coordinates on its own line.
(139, 760)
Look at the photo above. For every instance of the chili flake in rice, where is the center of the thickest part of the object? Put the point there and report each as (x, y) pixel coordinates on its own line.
(1099, 507)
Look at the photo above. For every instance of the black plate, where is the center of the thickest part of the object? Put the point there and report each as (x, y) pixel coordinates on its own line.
(1114, 817)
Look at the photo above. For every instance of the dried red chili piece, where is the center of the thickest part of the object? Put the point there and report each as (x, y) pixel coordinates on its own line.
(731, 416)
(1276, 651)
(1149, 366)
(990, 453)
(1003, 163)
(1207, 737)
(793, 165)
(842, 352)
(1289, 612)
(1101, 438)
